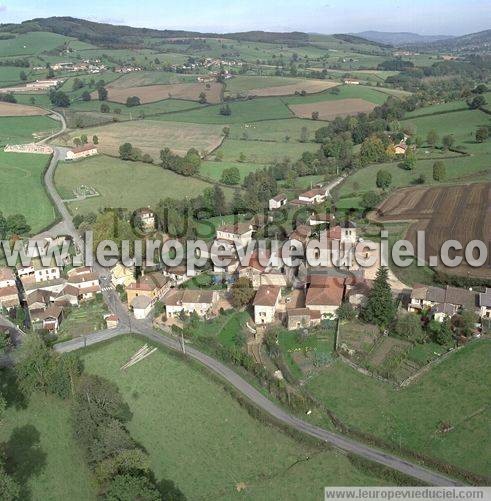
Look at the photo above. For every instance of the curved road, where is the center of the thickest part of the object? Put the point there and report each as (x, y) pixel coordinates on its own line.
(127, 324)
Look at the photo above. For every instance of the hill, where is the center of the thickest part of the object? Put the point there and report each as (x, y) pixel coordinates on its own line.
(479, 42)
(400, 38)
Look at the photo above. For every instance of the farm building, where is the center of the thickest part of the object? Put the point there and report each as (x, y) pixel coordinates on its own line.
(277, 201)
(87, 150)
(311, 197)
(200, 302)
(350, 81)
(265, 303)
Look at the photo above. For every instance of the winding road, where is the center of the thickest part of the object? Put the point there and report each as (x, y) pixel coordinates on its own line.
(144, 328)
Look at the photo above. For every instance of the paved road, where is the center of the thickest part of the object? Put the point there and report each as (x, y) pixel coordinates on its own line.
(127, 324)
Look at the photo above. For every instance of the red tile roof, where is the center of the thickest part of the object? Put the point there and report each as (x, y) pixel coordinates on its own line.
(267, 295)
(325, 291)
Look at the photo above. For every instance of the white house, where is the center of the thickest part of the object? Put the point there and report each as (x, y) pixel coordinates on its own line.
(277, 201)
(86, 150)
(201, 302)
(37, 272)
(85, 280)
(142, 305)
(265, 303)
(239, 233)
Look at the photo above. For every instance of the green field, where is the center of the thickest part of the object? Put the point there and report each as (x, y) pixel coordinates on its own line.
(242, 112)
(22, 188)
(452, 391)
(274, 130)
(370, 94)
(31, 43)
(213, 170)
(48, 463)
(123, 184)
(183, 419)
(263, 152)
(14, 130)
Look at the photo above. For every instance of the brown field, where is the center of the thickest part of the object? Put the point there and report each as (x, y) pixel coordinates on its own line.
(151, 136)
(152, 93)
(460, 212)
(328, 110)
(15, 110)
(309, 86)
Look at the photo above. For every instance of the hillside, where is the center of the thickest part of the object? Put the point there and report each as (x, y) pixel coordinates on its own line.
(400, 38)
(473, 42)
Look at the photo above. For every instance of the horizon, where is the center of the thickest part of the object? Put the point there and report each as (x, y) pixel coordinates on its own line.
(434, 17)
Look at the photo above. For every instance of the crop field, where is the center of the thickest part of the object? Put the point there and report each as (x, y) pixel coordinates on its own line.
(22, 188)
(151, 136)
(141, 78)
(275, 86)
(461, 212)
(152, 93)
(453, 391)
(263, 151)
(123, 184)
(182, 418)
(13, 110)
(328, 110)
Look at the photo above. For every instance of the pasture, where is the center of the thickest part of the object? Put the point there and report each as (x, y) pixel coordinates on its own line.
(31, 43)
(288, 130)
(152, 93)
(370, 94)
(123, 184)
(22, 188)
(15, 110)
(150, 136)
(25, 129)
(329, 110)
(461, 211)
(182, 418)
(213, 170)
(452, 391)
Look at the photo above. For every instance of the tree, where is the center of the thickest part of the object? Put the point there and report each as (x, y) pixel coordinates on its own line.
(59, 98)
(230, 176)
(225, 110)
(439, 171)
(241, 292)
(84, 139)
(132, 487)
(480, 89)
(315, 115)
(408, 326)
(372, 150)
(380, 308)
(17, 224)
(432, 138)
(464, 323)
(346, 311)
(23, 76)
(95, 139)
(384, 179)
(448, 141)
(202, 98)
(5, 341)
(86, 95)
(482, 134)
(132, 101)
(126, 151)
(9, 488)
(242, 157)
(441, 333)
(219, 203)
(102, 93)
(370, 200)
(478, 102)
(226, 131)
(105, 108)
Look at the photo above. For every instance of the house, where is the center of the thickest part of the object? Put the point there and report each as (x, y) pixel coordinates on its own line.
(238, 233)
(111, 321)
(485, 303)
(122, 275)
(298, 318)
(344, 232)
(49, 319)
(85, 280)
(68, 296)
(325, 295)
(301, 233)
(349, 81)
(9, 297)
(277, 201)
(38, 273)
(146, 219)
(319, 219)
(188, 301)
(401, 148)
(313, 196)
(179, 274)
(445, 302)
(151, 285)
(141, 305)
(7, 277)
(260, 266)
(86, 150)
(265, 303)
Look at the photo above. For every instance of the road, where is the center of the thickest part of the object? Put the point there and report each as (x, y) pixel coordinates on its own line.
(127, 324)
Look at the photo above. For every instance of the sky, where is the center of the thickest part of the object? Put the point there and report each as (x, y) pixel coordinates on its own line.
(429, 17)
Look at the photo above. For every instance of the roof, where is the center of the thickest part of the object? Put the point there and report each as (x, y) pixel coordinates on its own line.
(149, 282)
(303, 312)
(313, 192)
(6, 273)
(325, 217)
(189, 296)
(236, 228)
(485, 298)
(84, 147)
(141, 302)
(51, 312)
(401, 145)
(30, 284)
(81, 270)
(325, 291)
(38, 296)
(428, 293)
(267, 295)
(279, 197)
(8, 291)
(82, 278)
(452, 295)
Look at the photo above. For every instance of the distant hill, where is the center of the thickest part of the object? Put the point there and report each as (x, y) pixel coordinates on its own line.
(400, 38)
(479, 42)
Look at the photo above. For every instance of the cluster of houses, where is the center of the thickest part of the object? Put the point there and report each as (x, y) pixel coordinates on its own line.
(86, 65)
